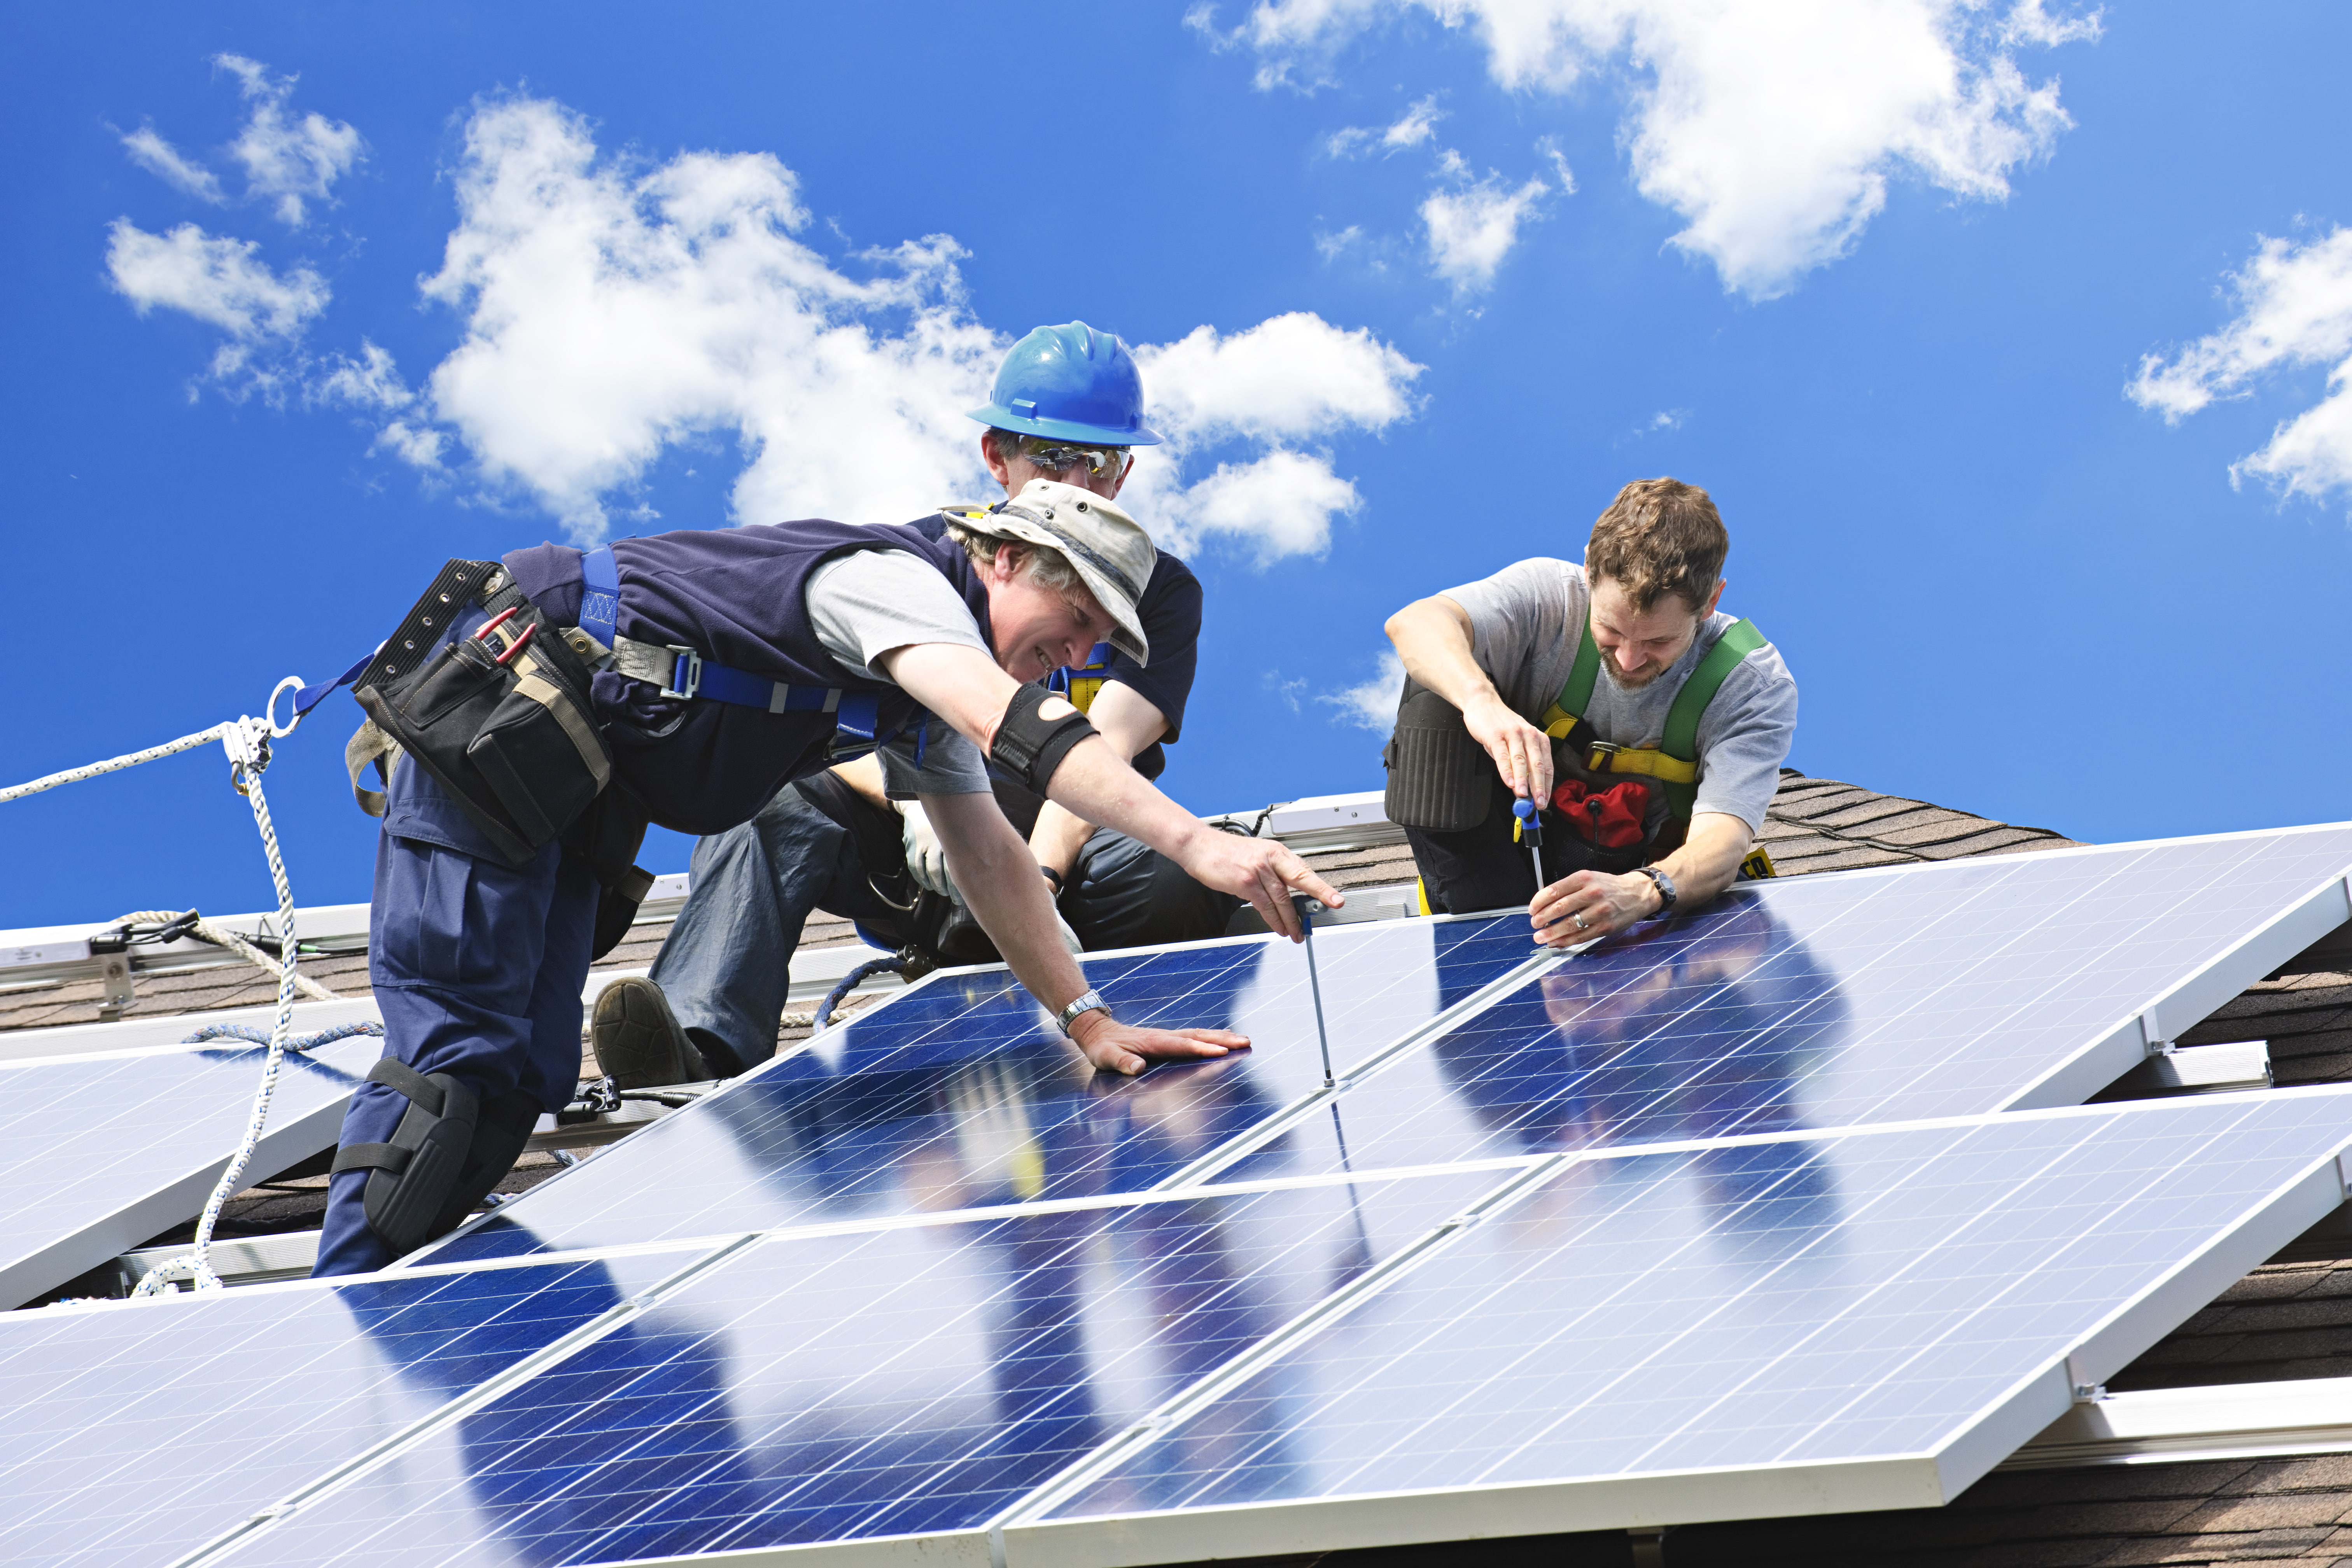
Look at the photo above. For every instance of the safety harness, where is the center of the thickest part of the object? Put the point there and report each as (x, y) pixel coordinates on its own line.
(683, 672)
(1080, 686)
(1673, 762)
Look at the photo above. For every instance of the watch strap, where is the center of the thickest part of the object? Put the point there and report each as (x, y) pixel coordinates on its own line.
(1664, 883)
(1086, 1002)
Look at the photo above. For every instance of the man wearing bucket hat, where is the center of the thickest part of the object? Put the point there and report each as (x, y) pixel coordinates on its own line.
(684, 679)
(1067, 404)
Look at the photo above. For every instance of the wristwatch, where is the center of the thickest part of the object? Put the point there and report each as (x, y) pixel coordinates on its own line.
(1086, 1003)
(1665, 886)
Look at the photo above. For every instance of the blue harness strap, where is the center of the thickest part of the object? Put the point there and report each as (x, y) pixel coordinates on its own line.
(857, 714)
(600, 594)
(310, 696)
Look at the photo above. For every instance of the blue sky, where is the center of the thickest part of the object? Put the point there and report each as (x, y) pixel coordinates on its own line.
(2006, 337)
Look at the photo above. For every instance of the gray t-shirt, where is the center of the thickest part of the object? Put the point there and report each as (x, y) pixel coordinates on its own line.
(863, 605)
(1526, 622)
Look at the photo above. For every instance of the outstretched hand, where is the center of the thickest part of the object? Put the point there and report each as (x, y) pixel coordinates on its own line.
(1114, 1047)
(1263, 870)
(1589, 905)
(1522, 752)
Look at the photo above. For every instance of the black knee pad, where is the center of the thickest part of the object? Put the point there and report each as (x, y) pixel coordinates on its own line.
(500, 1130)
(1439, 776)
(412, 1178)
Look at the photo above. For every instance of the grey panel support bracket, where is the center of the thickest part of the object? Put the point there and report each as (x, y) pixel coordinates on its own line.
(2176, 1425)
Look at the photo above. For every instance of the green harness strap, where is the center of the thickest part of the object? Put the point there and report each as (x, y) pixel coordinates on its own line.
(1681, 739)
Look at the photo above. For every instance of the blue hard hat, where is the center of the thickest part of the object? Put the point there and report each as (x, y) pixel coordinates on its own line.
(1070, 382)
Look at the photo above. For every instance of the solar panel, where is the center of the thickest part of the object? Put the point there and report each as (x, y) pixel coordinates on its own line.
(1975, 986)
(137, 1432)
(1634, 1316)
(959, 1093)
(98, 1153)
(1865, 1319)
(904, 1380)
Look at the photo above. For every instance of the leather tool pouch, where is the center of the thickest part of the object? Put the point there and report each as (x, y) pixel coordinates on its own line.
(1439, 778)
(515, 742)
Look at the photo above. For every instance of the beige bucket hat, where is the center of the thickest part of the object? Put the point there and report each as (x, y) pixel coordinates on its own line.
(1108, 548)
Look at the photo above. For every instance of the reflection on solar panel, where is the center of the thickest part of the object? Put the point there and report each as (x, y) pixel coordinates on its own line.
(960, 1093)
(1984, 986)
(1679, 1246)
(136, 1433)
(1859, 1319)
(164, 1123)
(887, 1383)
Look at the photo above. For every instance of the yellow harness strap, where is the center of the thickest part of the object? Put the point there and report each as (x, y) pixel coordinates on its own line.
(1604, 758)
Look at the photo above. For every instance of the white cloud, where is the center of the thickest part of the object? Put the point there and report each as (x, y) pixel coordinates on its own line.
(1371, 705)
(166, 162)
(287, 159)
(1293, 377)
(372, 383)
(1473, 227)
(220, 281)
(1419, 124)
(1290, 380)
(2295, 311)
(1280, 504)
(1773, 130)
(611, 312)
(1285, 692)
(1331, 246)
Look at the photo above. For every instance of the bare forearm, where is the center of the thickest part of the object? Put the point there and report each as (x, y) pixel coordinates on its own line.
(992, 869)
(865, 777)
(1129, 722)
(1432, 638)
(1057, 838)
(1709, 859)
(1095, 785)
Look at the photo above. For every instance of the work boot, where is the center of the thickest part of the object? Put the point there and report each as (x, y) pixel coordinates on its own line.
(637, 1040)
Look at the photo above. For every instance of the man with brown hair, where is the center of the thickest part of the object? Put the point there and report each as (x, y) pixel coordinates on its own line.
(1640, 727)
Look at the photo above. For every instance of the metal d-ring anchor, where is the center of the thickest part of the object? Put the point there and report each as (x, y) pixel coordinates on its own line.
(1308, 908)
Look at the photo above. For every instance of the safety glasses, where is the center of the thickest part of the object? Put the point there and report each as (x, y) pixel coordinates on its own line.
(1058, 459)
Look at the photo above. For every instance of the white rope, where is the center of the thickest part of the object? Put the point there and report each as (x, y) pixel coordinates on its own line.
(247, 744)
(219, 936)
(75, 776)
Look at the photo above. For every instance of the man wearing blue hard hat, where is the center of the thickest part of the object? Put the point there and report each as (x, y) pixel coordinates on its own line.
(1067, 408)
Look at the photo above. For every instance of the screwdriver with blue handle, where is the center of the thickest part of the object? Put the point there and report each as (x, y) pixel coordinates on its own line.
(1527, 828)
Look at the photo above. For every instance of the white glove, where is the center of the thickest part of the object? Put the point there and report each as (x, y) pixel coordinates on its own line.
(927, 857)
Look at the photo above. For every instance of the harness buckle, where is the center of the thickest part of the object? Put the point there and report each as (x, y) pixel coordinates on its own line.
(1602, 759)
(688, 661)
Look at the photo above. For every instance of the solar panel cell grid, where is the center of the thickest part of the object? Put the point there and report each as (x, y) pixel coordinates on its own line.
(958, 1094)
(135, 1433)
(1855, 1297)
(157, 1118)
(916, 1379)
(1872, 1297)
(1826, 1004)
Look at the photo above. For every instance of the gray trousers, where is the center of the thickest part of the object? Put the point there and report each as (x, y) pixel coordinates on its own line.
(726, 966)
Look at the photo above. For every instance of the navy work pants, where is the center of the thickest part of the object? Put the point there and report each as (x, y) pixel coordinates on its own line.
(476, 965)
